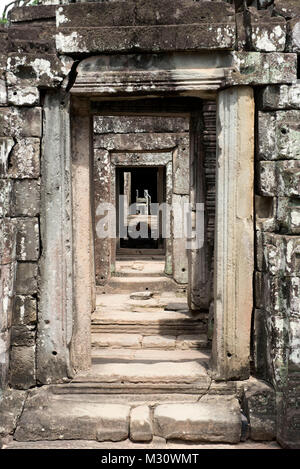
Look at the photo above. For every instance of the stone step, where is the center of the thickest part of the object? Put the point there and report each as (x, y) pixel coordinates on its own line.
(140, 283)
(139, 341)
(149, 322)
(145, 377)
(116, 355)
(50, 416)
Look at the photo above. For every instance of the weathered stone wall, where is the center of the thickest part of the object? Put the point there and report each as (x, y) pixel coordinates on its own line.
(277, 277)
(28, 64)
(260, 44)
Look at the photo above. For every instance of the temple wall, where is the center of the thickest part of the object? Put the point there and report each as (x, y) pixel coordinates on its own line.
(39, 51)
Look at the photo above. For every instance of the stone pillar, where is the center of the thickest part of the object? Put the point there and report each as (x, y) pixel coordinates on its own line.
(55, 319)
(234, 234)
(83, 250)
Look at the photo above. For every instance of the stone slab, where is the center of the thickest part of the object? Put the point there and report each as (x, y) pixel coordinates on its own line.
(116, 340)
(212, 419)
(158, 27)
(57, 419)
(157, 443)
(154, 373)
(158, 342)
(140, 424)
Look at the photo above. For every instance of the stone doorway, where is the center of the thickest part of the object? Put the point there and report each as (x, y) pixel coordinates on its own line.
(92, 95)
(134, 154)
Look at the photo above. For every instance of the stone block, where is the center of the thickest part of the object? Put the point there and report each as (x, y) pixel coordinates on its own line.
(6, 146)
(213, 419)
(25, 159)
(260, 407)
(279, 135)
(267, 178)
(139, 14)
(136, 125)
(20, 122)
(3, 92)
(24, 311)
(79, 419)
(294, 341)
(114, 424)
(23, 95)
(288, 177)
(4, 358)
(6, 192)
(26, 282)
(11, 406)
(26, 198)
(281, 255)
(23, 335)
(260, 345)
(289, 413)
(280, 97)
(7, 241)
(288, 215)
(280, 178)
(278, 294)
(240, 31)
(141, 424)
(39, 12)
(159, 27)
(265, 33)
(293, 35)
(7, 283)
(286, 8)
(22, 369)
(259, 68)
(28, 239)
(28, 72)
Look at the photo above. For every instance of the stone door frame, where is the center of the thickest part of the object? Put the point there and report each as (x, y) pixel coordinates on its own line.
(67, 140)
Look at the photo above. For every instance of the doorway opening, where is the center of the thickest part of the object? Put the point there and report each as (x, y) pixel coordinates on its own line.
(139, 223)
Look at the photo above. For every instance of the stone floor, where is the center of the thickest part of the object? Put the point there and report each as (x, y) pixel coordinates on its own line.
(149, 383)
(157, 443)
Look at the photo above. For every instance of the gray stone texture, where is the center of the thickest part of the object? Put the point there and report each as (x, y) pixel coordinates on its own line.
(211, 419)
(155, 27)
(22, 369)
(260, 407)
(11, 406)
(141, 424)
(279, 135)
(265, 33)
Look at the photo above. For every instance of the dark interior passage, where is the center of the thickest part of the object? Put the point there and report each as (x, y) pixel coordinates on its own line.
(141, 188)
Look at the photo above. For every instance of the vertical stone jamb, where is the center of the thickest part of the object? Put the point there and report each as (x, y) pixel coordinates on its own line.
(83, 253)
(198, 277)
(55, 316)
(234, 239)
